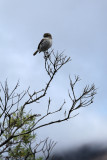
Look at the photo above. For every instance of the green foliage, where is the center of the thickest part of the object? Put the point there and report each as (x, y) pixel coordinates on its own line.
(39, 158)
(22, 146)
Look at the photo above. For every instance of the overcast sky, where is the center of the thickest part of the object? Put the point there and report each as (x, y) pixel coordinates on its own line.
(80, 28)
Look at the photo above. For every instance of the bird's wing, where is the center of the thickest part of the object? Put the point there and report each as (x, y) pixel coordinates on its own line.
(40, 43)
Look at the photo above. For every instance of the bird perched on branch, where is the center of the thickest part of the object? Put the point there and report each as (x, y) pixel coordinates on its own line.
(44, 44)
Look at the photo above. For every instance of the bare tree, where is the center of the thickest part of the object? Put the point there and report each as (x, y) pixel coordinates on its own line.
(11, 111)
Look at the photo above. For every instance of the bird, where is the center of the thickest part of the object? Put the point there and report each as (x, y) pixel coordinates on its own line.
(44, 44)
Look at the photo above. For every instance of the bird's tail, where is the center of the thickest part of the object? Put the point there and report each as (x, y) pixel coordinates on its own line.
(35, 53)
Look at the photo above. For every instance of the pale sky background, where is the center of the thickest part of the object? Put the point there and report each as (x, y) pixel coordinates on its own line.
(80, 28)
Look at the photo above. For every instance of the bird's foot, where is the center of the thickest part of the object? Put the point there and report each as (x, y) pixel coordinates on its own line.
(46, 55)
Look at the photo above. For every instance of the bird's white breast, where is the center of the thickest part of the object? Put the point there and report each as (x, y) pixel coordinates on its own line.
(46, 44)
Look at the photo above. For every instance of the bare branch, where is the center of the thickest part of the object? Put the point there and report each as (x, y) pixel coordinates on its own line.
(12, 110)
